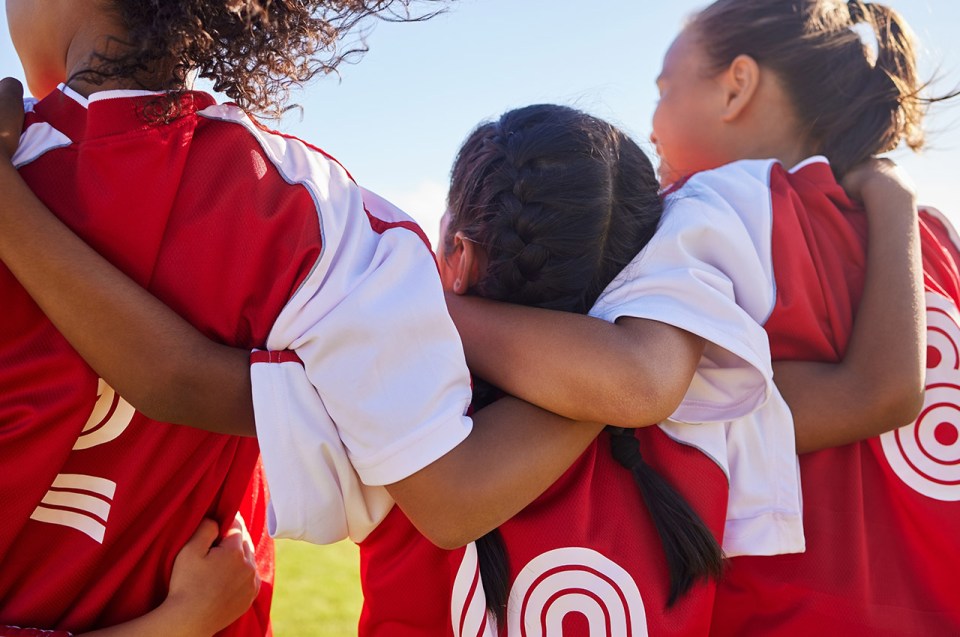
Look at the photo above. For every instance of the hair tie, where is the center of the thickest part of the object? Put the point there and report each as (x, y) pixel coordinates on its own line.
(625, 447)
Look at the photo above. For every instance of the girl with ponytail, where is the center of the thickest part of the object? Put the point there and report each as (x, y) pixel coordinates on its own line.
(881, 514)
(764, 105)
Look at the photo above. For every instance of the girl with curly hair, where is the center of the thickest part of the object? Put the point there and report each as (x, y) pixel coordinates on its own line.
(261, 242)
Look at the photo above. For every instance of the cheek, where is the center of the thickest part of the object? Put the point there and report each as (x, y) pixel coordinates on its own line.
(670, 135)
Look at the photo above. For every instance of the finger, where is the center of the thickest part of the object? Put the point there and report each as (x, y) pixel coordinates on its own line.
(203, 538)
(248, 546)
(11, 115)
(232, 540)
(11, 90)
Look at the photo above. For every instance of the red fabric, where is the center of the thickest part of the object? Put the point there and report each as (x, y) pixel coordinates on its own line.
(15, 631)
(194, 211)
(881, 558)
(407, 581)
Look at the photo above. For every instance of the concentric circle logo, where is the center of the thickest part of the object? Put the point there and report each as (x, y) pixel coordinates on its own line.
(926, 453)
(579, 586)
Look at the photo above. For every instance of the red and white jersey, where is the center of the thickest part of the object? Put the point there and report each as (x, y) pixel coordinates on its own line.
(882, 517)
(584, 558)
(244, 233)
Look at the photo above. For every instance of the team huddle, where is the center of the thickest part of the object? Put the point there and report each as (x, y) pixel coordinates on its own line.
(714, 398)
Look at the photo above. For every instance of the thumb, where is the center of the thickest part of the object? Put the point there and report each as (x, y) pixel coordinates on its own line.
(11, 90)
(11, 115)
(203, 538)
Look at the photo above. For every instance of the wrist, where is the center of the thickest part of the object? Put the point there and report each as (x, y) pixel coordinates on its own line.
(182, 617)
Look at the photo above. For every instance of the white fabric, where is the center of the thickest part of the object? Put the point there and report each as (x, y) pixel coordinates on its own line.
(315, 494)
(708, 270)
(37, 139)
(379, 349)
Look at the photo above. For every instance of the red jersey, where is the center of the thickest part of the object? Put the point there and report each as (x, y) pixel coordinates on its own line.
(98, 500)
(584, 558)
(882, 516)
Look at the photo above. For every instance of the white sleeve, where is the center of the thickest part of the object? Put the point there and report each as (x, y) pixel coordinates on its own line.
(371, 326)
(384, 387)
(707, 270)
(315, 493)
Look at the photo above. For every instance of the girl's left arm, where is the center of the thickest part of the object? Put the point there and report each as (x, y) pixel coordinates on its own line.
(879, 384)
(141, 348)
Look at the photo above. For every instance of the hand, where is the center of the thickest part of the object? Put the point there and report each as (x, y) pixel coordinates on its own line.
(211, 586)
(11, 116)
(877, 180)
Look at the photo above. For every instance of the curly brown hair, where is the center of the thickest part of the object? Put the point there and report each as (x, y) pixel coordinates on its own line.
(253, 51)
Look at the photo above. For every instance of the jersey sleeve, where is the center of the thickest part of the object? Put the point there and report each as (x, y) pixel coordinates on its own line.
(371, 327)
(316, 494)
(707, 270)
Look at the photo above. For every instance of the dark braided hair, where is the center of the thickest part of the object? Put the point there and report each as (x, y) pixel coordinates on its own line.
(252, 50)
(561, 202)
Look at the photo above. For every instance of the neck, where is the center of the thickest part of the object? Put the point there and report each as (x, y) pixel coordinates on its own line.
(82, 55)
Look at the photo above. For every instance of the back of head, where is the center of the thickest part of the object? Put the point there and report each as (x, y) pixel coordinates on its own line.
(560, 202)
(251, 50)
(850, 105)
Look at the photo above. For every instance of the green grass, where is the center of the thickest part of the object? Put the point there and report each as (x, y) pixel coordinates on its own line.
(317, 590)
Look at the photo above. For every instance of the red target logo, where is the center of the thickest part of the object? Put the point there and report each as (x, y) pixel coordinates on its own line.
(575, 586)
(926, 453)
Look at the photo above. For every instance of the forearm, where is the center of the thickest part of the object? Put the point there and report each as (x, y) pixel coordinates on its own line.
(160, 622)
(514, 453)
(631, 374)
(152, 357)
(879, 384)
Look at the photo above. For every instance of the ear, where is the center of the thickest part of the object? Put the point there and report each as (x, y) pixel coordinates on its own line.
(740, 82)
(460, 267)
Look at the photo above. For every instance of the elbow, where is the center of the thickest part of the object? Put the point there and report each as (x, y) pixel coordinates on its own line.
(902, 407)
(896, 403)
(635, 407)
(449, 541)
(442, 533)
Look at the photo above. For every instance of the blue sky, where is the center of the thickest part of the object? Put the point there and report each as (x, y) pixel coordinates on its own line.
(397, 117)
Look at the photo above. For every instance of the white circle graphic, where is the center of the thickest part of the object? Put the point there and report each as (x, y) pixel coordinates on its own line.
(580, 581)
(926, 453)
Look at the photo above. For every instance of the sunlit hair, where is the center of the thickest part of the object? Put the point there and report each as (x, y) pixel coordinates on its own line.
(852, 102)
(560, 202)
(253, 51)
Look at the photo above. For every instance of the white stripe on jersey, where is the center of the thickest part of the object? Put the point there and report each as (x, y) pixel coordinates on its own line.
(37, 140)
(91, 512)
(468, 606)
